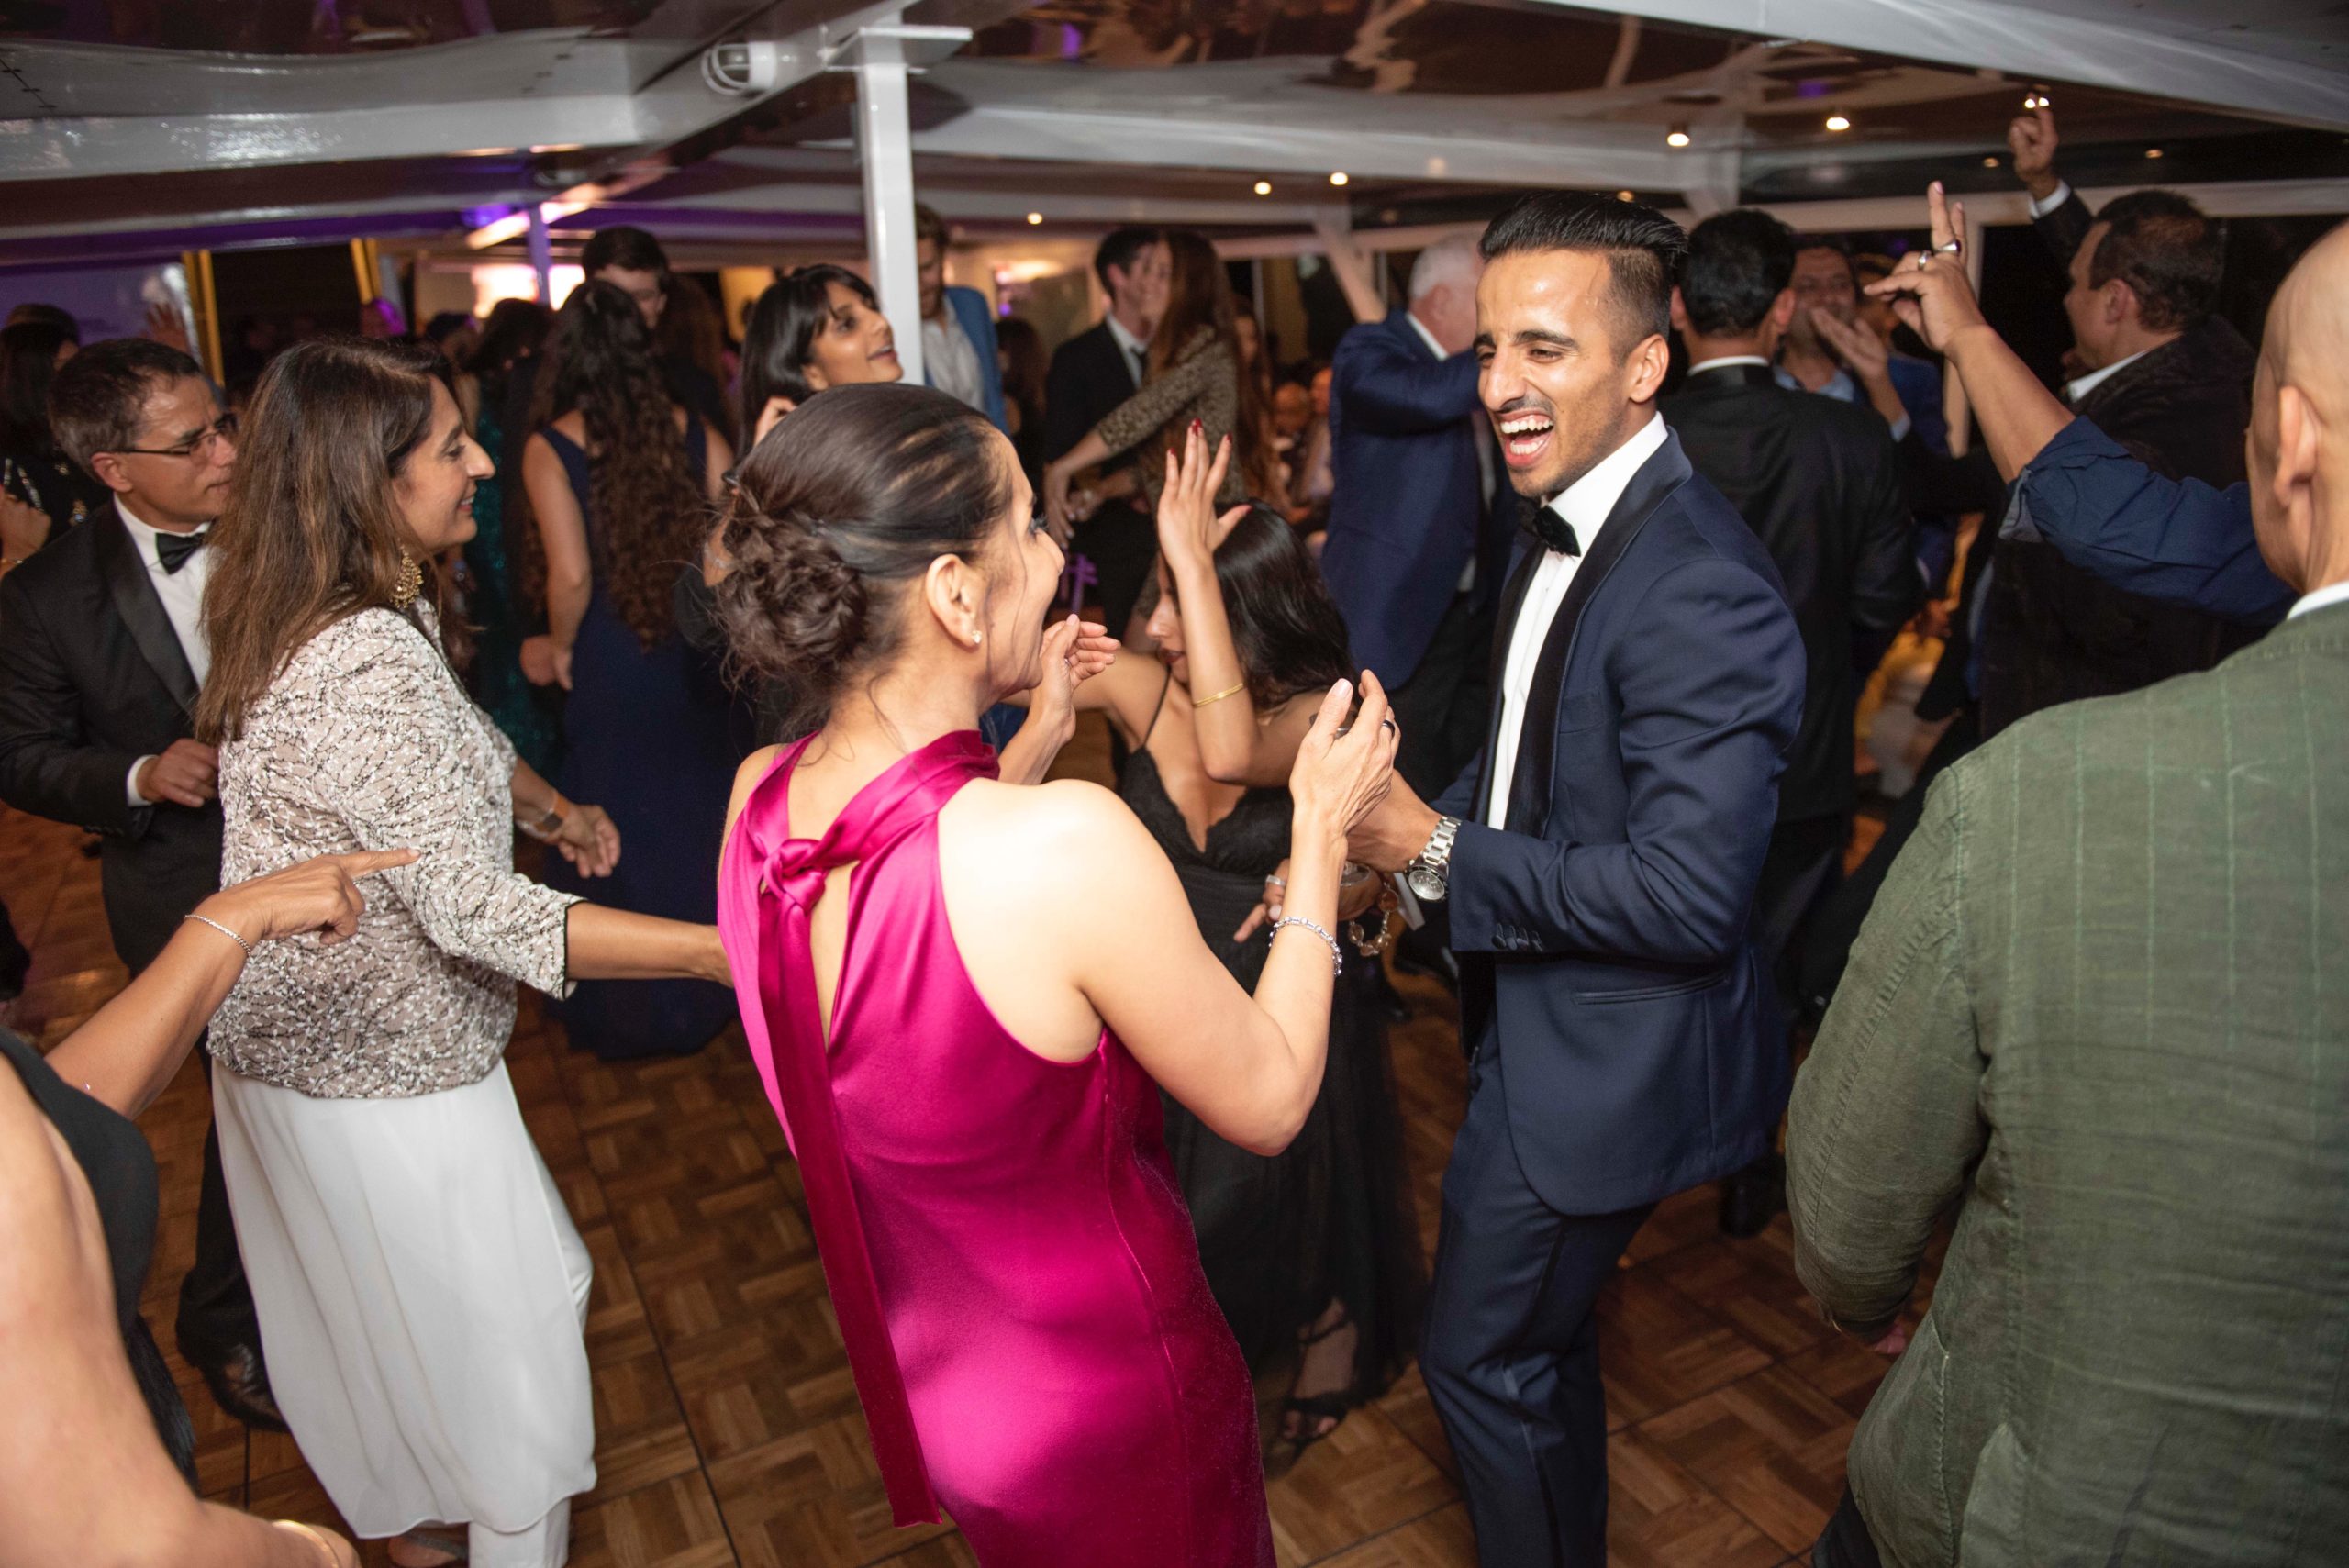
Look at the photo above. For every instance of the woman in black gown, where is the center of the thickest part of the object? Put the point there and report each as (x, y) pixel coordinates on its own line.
(1317, 1246)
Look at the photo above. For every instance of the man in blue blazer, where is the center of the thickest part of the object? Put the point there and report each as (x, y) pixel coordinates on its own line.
(1417, 551)
(958, 345)
(1600, 863)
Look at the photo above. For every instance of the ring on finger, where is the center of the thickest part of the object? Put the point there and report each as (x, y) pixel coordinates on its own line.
(1388, 724)
(1280, 882)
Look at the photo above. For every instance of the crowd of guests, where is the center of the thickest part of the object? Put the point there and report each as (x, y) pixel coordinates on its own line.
(1510, 625)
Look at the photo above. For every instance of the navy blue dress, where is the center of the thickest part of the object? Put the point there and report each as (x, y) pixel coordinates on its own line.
(647, 737)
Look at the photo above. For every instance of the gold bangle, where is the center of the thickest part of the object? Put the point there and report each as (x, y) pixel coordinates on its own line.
(311, 1534)
(1232, 691)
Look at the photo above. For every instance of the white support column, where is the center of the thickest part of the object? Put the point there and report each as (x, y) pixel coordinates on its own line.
(886, 156)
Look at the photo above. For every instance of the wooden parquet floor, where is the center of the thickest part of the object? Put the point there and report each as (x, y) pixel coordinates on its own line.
(727, 1430)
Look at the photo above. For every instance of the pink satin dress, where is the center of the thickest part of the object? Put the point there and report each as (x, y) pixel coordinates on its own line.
(1014, 1271)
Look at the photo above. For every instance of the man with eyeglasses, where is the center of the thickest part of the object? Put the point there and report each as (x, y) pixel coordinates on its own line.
(102, 651)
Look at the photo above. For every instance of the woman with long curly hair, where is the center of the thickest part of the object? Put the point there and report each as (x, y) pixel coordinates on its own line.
(620, 481)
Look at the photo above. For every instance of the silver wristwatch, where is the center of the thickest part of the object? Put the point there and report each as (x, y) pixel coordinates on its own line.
(1430, 875)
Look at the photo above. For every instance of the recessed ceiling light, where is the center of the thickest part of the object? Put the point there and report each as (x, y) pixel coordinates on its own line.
(1035, 217)
(1623, 196)
(1838, 122)
(1676, 136)
(1339, 178)
(2153, 152)
(1263, 187)
(1990, 163)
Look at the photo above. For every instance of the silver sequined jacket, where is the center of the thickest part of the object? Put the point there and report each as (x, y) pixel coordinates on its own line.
(367, 742)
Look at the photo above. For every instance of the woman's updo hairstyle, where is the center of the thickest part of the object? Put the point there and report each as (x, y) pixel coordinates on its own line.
(848, 500)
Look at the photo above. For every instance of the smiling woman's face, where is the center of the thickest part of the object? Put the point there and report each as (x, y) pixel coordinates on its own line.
(435, 486)
(853, 345)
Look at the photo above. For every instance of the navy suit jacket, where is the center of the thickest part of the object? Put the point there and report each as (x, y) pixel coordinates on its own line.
(1408, 512)
(970, 313)
(1603, 936)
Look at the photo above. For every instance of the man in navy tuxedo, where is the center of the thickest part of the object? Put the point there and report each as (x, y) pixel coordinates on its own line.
(1417, 550)
(1599, 862)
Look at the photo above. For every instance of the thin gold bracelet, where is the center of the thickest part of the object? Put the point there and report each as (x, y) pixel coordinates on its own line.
(1226, 692)
(297, 1528)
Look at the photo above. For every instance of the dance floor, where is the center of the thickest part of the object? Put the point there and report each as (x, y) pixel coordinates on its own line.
(727, 1427)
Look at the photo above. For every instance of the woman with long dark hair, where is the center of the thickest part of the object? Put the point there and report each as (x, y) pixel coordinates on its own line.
(34, 469)
(819, 327)
(529, 712)
(965, 1049)
(620, 482)
(1193, 377)
(1313, 1250)
(420, 1287)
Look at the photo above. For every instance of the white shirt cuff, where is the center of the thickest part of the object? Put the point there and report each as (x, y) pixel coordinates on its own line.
(1900, 428)
(130, 785)
(2055, 198)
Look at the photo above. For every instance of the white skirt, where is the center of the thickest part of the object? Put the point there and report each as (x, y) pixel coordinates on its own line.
(422, 1296)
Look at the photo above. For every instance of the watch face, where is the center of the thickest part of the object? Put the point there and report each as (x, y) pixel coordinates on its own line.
(1426, 883)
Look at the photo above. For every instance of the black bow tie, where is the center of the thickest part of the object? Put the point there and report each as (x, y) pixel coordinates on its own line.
(1555, 531)
(172, 549)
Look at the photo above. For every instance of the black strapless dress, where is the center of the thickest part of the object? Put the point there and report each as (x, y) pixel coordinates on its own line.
(1330, 1215)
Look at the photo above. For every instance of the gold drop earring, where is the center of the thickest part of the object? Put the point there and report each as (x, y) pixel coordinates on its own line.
(408, 583)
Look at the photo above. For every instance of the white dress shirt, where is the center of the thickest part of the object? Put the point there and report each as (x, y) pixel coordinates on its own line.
(182, 594)
(1722, 361)
(1486, 477)
(952, 360)
(1137, 353)
(2076, 390)
(2055, 198)
(2318, 598)
(1584, 505)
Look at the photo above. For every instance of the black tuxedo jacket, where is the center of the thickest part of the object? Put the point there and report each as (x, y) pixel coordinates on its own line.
(1604, 936)
(1090, 377)
(1818, 483)
(92, 678)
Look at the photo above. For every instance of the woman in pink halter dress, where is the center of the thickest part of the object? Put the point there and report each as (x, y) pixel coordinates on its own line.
(965, 1047)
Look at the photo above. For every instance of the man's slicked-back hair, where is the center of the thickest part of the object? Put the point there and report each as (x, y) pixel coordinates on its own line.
(2170, 254)
(1119, 247)
(1738, 264)
(1643, 247)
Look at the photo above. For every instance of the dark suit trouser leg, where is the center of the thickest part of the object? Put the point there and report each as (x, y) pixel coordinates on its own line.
(1442, 708)
(1798, 869)
(1513, 1353)
(215, 1312)
(1122, 544)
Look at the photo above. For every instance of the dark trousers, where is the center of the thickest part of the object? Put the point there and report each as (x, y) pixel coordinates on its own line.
(1442, 708)
(1845, 1543)
(1511, 1356)
(1804, 861)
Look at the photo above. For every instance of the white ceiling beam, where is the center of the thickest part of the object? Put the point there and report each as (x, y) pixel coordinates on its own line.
(992, 207)
(2036, 43)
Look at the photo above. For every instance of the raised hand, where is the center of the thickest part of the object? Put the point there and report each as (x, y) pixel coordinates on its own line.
(1189, 528)
(1343, 772)
(770, 417)
(320, 895)
(2031, 137)
(165, 327)
(1930, 291)
(1852, 343)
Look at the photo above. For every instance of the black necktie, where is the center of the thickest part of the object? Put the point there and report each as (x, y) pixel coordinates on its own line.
(172, 549)
(1555, 532)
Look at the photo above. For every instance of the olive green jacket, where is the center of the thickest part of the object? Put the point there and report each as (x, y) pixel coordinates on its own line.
(2102, 1005)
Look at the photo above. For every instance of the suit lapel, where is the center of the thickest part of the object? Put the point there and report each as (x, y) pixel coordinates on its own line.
(141, 610)
(1664, 472)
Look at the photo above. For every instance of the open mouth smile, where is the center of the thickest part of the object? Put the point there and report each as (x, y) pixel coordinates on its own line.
(1525, 437)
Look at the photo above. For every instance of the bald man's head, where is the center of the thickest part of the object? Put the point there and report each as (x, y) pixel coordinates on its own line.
(2297, 446)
